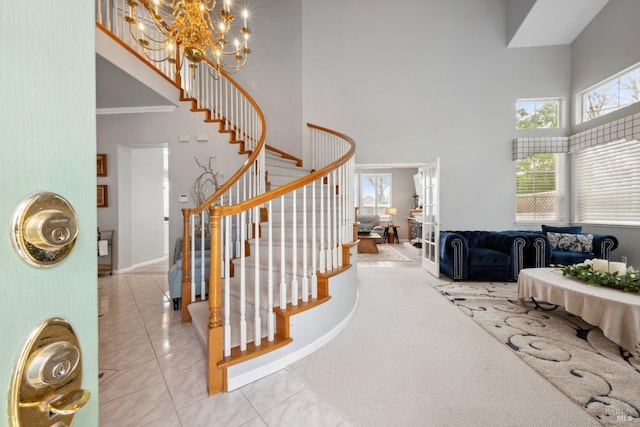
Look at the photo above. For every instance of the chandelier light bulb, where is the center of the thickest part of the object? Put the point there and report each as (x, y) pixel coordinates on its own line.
(140, 26)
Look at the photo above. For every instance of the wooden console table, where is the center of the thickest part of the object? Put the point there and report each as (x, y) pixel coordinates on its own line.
(105, 261)
(616, 312)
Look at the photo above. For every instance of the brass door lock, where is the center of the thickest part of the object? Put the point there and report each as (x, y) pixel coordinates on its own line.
(46, 383)
(45, 228)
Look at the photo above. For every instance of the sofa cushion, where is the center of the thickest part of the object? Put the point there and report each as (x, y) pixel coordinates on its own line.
(569, 258)
(571, 242)
(483, 256)
(569, 229)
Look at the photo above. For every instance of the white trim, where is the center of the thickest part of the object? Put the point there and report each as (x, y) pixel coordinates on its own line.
(136, 110)
(141, 264)
(269, 368)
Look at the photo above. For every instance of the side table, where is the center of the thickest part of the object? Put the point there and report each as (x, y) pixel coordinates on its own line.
(390, 236)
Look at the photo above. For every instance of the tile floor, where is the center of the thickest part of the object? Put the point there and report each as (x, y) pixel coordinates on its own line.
(152, 366)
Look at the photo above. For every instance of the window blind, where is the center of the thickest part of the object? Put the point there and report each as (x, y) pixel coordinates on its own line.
(540, 188)
(608, 183)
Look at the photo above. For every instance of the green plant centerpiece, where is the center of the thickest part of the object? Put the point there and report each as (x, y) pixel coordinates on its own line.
(628, 282)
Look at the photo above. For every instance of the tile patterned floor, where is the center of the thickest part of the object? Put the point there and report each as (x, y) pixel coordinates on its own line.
(152, 367)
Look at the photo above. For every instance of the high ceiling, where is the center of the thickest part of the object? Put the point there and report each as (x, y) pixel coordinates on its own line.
(543, 23)
(555, 22)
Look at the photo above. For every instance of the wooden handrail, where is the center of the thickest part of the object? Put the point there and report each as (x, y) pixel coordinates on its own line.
(285, 155)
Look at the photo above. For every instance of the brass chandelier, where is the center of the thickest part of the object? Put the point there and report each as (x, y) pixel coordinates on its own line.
(169, 30)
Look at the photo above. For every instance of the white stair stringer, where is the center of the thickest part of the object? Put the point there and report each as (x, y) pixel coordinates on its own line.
(309, 329)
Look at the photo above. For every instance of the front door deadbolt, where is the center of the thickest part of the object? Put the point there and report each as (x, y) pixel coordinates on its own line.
(45, 228)
(46, 382)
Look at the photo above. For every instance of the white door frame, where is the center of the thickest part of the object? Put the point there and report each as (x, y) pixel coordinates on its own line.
(431, 217)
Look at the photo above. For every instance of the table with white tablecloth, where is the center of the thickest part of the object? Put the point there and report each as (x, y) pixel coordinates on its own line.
(614, 311)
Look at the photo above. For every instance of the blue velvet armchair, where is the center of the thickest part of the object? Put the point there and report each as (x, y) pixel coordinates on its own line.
(482, 255)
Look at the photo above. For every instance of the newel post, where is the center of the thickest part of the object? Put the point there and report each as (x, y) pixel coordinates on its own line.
(186, 265)
(216, 378)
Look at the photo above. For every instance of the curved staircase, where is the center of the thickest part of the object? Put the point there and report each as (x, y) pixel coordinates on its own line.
(282, 281)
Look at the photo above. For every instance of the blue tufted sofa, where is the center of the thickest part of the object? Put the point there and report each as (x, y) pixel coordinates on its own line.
(500, 255)
(482, 255)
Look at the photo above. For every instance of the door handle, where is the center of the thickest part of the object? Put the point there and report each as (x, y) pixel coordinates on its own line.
(47, 379)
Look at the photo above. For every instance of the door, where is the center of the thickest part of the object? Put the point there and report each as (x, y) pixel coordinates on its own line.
(48, 144)
(431, 217)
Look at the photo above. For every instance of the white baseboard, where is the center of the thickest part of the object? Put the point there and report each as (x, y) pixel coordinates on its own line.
(141, 264)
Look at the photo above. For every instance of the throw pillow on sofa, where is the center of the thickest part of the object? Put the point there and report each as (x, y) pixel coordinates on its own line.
(571, 242)
(576, 229)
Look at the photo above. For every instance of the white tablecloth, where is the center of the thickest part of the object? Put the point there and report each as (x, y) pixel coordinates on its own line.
(616, 312)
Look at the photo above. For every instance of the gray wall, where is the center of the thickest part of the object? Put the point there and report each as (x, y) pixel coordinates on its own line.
(607, 46)
(517, 11)
(432, 80)
(118, 135)
(273, 74)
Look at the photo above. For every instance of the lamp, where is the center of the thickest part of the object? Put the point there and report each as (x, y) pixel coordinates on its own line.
(189, 28)
(391, 212)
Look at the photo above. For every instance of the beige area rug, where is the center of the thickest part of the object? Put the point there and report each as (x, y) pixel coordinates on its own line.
(386, 253)
(573, 355)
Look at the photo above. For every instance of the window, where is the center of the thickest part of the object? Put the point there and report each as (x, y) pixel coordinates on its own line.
(611, 95)
(608, 184)
(537, 113)
(375, 194)
(540, 187)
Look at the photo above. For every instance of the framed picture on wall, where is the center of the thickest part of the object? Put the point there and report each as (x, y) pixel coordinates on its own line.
(102, 165)
(102, 196)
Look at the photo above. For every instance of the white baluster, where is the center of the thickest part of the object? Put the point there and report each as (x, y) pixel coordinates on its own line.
(202, 254)
(305, 248)
(314, 244)
(193, 258)
(226, 221)
(257, 326)
(294, 258)
(283, 281)
(272, 316)
(321, 254)
(243, 283)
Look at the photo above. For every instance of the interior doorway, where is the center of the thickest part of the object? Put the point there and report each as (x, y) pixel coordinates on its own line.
(142, 204)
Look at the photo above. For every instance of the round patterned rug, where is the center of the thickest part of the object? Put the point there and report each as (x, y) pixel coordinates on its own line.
(573, 355)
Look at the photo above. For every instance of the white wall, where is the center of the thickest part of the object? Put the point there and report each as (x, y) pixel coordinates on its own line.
(432, 79)
(608, 45)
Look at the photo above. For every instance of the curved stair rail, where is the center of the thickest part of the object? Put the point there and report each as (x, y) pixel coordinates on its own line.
(271, 253)
(286, 257)
(223, 101)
